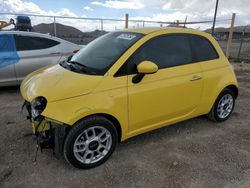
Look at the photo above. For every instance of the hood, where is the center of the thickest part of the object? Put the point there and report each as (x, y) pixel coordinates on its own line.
(57, 83)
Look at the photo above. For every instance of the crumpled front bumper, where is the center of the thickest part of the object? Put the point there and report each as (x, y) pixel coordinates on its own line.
(40, 125)
(47, 133)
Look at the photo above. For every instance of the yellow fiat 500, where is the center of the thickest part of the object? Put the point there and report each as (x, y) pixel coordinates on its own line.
(126, 83)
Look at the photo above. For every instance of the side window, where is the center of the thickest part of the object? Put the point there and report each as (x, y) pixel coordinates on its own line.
(6, 43)
(202, 49)
(24, 43)
(165, 50)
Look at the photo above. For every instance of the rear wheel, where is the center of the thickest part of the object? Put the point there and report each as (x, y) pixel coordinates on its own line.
(90, 142)
(223, 106)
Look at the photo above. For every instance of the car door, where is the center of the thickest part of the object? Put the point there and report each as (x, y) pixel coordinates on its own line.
(35, 52)
(212, 67)
(8, 58)
(171, 94)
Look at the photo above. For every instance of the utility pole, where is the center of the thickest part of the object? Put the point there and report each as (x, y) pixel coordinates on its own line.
(215, 14)
(185, 22)
(126, 21)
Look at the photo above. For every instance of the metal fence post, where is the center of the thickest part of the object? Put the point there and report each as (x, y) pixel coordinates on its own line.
(241, 41)
(230, 36)
(126, 21)
(54, 26)
(177, 23)
(101, 24)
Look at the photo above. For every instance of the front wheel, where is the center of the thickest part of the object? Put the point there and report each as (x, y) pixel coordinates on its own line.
(223, 106)
(90, 142)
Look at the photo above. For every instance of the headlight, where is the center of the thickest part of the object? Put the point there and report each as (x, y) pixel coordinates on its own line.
(37, 106)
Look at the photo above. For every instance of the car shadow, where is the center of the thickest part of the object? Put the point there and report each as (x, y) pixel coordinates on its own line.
(9, 89)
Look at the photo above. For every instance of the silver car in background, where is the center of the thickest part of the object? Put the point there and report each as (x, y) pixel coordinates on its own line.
(24, 52)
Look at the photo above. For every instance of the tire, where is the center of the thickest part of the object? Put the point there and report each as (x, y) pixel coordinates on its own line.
(216, 113)
(90, 142)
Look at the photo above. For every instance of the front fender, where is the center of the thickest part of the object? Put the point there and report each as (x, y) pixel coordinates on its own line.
(111, 102)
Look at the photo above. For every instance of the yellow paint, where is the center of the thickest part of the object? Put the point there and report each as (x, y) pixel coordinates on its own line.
(147, 67)
(40, 126)
(163, 98)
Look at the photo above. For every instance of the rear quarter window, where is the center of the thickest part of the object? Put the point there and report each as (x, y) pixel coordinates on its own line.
(202, 49)
(24, 43)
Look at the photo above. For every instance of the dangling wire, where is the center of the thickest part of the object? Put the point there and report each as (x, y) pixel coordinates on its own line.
(37, 147)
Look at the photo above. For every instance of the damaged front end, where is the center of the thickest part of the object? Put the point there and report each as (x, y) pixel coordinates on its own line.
(48, 133)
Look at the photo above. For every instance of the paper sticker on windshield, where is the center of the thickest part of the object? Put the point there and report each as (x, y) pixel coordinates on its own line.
(126, 36)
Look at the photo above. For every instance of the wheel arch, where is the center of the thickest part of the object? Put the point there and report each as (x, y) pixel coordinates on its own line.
(110, 118)
(234, 89)
(213, 114)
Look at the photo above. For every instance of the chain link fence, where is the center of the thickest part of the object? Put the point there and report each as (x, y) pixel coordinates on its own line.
(81, 30)
(240, 48)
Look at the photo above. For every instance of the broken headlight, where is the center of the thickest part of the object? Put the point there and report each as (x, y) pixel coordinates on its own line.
(37, 106)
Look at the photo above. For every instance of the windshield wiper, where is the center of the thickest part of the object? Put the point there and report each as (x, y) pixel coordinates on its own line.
(77, 67)
(76, 63)
(83, 68)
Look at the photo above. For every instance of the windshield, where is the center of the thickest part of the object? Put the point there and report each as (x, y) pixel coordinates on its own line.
(99, 55)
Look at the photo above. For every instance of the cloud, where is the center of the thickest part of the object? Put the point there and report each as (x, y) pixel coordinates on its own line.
(170, 10)
(19, 6)
(87, 8)
(198, 10)
(203, 9)
(119, 4)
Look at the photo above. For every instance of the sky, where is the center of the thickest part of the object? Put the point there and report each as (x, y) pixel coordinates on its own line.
(153, 10)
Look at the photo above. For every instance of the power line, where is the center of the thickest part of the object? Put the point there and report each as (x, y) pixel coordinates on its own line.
(110, 19)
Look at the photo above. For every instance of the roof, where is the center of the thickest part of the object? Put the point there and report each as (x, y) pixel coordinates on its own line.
(24, 33)
(34, 34)
(147, 30)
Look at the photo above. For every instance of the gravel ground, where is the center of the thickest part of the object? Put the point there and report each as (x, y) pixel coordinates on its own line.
(194, 153)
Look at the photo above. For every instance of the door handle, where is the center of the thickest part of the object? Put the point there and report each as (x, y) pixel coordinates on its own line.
(194, 78)
(55, 53)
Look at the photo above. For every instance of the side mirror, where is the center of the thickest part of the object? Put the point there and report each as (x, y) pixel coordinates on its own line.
(147, 67)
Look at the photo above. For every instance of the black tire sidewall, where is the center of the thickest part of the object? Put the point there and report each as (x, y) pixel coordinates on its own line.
(78, 129)
(223, 93)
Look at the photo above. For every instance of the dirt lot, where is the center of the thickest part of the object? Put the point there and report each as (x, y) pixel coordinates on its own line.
(194, 153)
